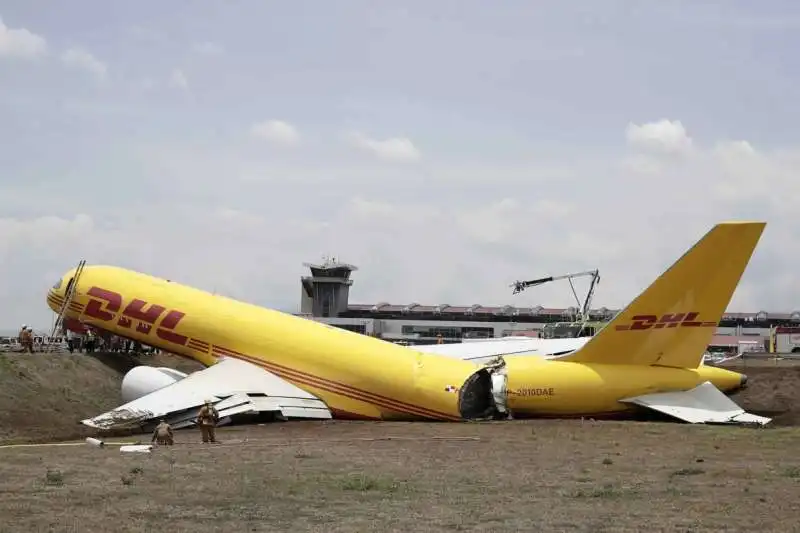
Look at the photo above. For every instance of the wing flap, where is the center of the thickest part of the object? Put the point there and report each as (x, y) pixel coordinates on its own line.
(704, 404)
(235, 387)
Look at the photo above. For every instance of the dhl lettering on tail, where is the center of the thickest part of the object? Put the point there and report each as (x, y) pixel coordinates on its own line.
(674, 320)
(699, 285)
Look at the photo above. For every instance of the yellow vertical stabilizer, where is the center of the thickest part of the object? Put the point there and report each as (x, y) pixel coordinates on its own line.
(673, 321)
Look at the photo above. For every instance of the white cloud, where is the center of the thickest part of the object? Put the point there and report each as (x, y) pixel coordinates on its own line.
(493, 223)
(208, 48)
(79, 58)
(642, 164)
(431, 238)
(502, 186)
(665, 136)
(276, 131)
(146, 84)
(392, 149)
(41, 233)
(178, 79)
(439, 251)
(20, 42)
(429, 233)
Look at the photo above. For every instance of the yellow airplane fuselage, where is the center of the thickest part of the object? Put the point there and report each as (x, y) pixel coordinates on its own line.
(540, 388)
(357, 376)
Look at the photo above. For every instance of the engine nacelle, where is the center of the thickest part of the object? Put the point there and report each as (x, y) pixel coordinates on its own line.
(142, 380)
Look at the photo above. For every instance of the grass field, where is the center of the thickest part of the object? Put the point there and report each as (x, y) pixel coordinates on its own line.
(350, 476)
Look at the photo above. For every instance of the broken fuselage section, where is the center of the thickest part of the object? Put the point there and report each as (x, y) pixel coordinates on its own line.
(484, 395)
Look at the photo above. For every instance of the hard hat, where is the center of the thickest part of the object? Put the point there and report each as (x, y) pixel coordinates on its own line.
(24, 326)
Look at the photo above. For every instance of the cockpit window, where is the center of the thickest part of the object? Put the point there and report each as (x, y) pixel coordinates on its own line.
(57, 285)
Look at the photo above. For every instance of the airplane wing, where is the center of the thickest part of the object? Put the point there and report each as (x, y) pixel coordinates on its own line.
(719, 359)
(235, 387)
(704, 404)
(487, 349)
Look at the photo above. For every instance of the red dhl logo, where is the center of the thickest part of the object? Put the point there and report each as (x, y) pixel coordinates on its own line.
(106, 305)
(674, 320)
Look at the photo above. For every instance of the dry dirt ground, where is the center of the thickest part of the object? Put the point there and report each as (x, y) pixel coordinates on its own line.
(406, 477)
(344, 476)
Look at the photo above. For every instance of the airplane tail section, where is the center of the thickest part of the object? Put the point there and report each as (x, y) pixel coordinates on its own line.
(672, 322)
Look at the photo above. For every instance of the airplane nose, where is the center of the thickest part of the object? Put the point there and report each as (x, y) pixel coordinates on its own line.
(743, 381)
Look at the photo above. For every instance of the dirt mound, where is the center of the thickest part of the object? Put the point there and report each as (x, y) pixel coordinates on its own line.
(44, 396)
(772, 391)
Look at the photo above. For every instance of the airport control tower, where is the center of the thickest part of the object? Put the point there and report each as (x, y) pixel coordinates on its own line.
(326, 292)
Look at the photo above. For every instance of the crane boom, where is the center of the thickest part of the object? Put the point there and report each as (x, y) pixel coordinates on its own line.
(585, 307)
(520, 286)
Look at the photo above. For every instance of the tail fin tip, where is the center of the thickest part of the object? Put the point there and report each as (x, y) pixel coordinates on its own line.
(672, 322)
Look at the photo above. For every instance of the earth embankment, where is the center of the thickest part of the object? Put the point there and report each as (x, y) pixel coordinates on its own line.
(43, 396)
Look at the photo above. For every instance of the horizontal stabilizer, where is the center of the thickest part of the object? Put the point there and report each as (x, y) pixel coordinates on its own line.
(704, 404)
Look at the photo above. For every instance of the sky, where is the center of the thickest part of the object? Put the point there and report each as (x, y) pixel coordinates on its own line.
(446, 148)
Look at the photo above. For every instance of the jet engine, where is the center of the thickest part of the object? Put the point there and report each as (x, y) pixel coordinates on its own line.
(142, 380)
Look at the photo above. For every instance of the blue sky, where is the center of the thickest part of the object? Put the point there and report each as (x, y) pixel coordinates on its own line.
(447, 148)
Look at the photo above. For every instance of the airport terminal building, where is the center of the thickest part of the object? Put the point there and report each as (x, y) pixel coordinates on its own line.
(325, 298)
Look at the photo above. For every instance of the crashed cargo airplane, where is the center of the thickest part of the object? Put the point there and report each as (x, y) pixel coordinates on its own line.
(649, 357)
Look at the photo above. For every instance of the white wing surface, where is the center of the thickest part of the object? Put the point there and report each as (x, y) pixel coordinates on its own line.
(487, 349)
(234, 387)
(704, 404)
